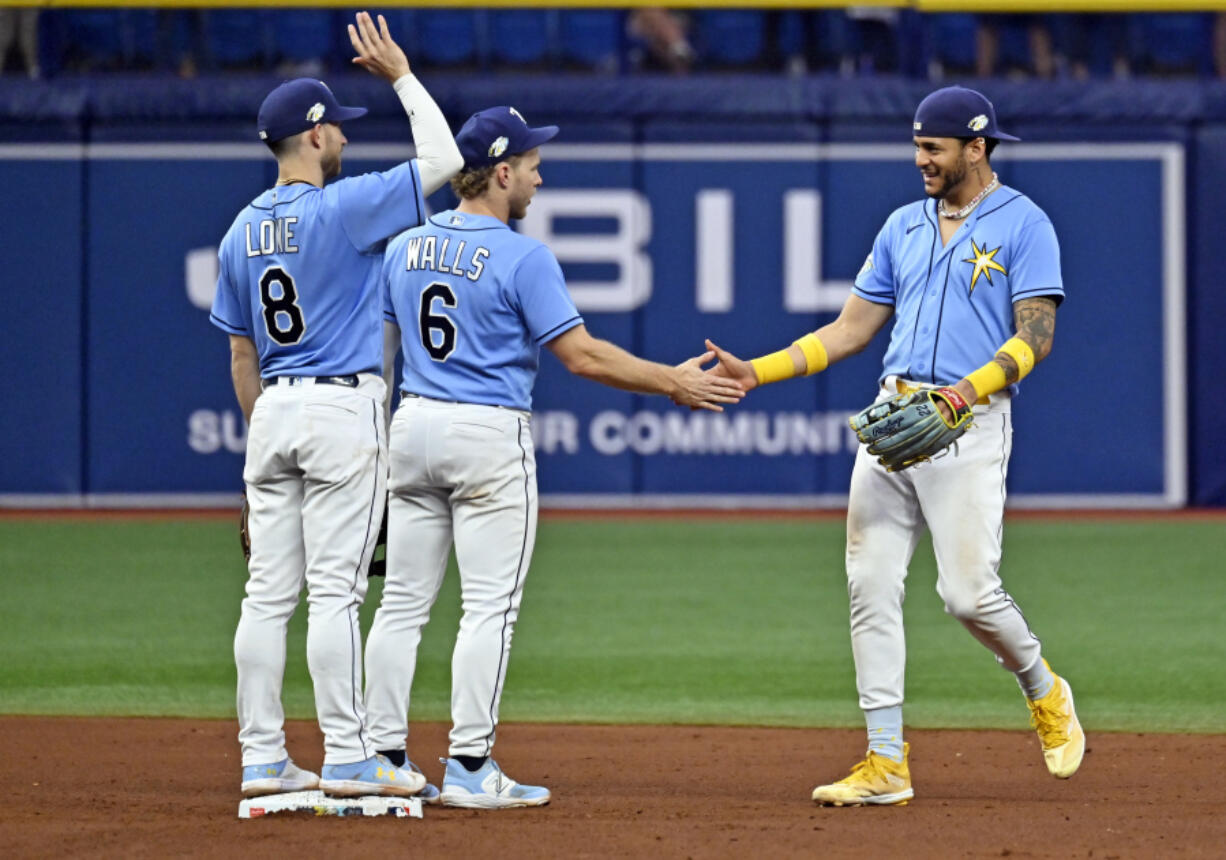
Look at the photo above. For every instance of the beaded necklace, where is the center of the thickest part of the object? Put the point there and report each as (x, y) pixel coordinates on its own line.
(969, 207)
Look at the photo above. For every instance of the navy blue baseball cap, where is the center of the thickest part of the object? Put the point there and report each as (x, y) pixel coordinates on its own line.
(957, 112)
(495, 134)
(297, 105)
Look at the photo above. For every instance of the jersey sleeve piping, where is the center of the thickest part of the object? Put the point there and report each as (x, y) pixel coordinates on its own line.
(1050, 292)
(560, 328)
(417, 193)
(875, 298)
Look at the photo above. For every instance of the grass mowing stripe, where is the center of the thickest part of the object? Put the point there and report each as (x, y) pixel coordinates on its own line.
(642, 621)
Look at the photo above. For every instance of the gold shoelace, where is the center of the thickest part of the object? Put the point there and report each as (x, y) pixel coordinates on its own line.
(1049, 721)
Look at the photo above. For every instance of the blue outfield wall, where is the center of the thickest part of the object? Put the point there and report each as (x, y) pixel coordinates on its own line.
(736, 209)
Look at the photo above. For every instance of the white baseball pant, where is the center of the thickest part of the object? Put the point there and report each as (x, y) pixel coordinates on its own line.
(316, 483)
(465, 473)
(960, 497)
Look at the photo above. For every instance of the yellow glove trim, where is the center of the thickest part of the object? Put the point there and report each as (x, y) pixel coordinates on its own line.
(816, 359)
(991, 377)
(774, 367)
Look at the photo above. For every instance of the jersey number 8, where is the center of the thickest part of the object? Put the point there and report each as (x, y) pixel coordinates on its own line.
(286, 305)
(432, 324)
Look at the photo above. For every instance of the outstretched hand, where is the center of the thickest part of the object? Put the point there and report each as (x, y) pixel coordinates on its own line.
(731, 367)
(377, 51)
(701, 389)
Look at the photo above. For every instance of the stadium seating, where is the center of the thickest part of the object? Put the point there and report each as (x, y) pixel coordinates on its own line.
(238, 39)
(307, 36)
(852, 41)
(1173, 44)
(730, 38)
(592, 40)
(450, 37)
(522, 37)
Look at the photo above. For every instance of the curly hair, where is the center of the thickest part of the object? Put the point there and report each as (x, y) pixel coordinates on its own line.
(472, 182)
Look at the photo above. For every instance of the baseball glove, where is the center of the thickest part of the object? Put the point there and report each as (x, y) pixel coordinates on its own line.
(909, 428)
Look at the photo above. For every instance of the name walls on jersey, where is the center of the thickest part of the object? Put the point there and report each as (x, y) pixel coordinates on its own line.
(426, 253)
(612, 432)
(771, 434)
(622, 248)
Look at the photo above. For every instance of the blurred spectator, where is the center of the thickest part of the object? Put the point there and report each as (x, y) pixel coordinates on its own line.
(869, 42)
(180, 40)
(1015, 45)
(665, 35)
(19, 31)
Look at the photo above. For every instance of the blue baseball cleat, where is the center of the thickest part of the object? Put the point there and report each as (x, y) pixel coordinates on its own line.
(430, 794)
(278, 778)
(487, 788)
(376, 776)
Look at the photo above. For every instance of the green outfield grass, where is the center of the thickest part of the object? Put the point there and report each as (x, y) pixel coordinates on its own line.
(736, 622)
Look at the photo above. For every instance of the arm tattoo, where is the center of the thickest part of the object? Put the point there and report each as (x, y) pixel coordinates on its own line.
(1035, 321)
(1006, 361)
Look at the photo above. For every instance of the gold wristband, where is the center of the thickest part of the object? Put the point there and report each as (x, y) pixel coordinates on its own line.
(816, 359)
(991, 377)
(774, 367)
(1020, 351)
(988, 379)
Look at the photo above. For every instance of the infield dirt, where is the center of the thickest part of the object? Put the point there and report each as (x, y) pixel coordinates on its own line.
(164, 787)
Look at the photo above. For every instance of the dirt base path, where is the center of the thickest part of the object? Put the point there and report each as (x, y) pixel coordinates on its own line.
(161, 787)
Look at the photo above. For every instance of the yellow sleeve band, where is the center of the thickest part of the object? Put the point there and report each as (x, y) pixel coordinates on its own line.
(1020, 351)
(774, 367)
(779, 365)
(816, 359)
(988, 379)
(991, 377)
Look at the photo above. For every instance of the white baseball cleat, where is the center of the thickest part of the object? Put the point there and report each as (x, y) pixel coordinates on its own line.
(487, 788)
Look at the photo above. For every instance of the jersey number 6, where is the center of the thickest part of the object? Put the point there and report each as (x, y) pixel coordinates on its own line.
(432, 324)
(286, 304)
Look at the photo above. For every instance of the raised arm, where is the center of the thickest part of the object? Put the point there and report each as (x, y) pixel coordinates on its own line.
(609, 364)
(438, 157)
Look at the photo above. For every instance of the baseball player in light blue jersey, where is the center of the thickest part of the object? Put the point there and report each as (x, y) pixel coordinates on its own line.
(971, 278)
(474, 302)
(298, 293)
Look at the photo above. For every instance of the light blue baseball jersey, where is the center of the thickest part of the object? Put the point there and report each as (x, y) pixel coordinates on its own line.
(474, 301)
(953, 305)
(299, 271)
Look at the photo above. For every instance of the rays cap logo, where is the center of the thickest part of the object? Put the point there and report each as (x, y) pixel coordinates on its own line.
(496, 134)
(951, 111)
(298, 105)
